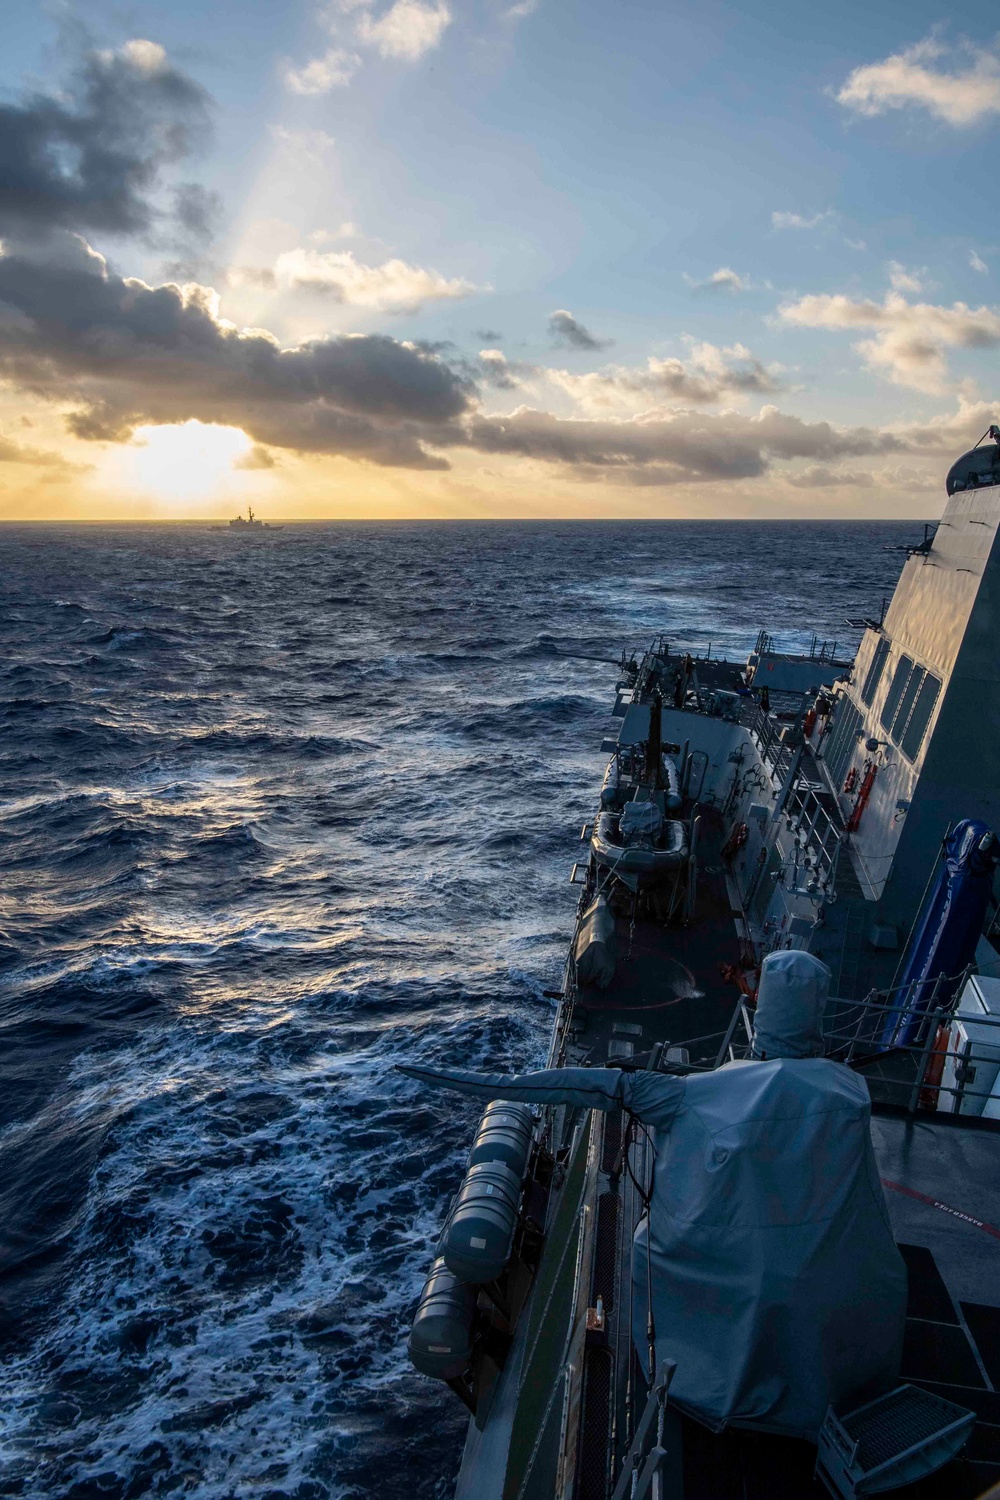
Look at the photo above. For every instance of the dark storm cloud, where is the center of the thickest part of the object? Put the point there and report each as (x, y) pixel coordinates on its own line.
(676, 450)
(121, 353)
(197, 210)
(567, 333)
(125, 353)
(116, 353)
(91, 157)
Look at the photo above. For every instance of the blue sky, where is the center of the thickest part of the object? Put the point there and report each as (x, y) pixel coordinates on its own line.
(752, 220)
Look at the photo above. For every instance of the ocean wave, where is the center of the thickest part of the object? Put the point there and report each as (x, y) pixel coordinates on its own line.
(276, 820)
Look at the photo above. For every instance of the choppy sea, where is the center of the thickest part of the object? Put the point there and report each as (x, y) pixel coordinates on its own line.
(277, 812)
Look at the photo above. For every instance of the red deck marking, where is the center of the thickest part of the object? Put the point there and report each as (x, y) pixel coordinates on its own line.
(946, 1208)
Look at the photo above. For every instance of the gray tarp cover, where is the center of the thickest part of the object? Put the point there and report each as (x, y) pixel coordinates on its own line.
(791, 998)
(777, 1287)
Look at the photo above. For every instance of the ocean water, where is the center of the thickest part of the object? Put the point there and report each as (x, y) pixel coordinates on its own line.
(277, 813)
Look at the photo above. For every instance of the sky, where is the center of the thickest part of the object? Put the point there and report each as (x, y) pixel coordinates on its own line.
(495, 258)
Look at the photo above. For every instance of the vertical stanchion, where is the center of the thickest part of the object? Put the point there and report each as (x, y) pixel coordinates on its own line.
(934, 1018)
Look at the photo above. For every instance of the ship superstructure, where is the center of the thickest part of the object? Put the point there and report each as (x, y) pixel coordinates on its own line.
(842, 809)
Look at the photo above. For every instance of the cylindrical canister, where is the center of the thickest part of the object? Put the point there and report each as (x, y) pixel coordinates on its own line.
(440, 1342)
(504, 1135)
(479, 1231)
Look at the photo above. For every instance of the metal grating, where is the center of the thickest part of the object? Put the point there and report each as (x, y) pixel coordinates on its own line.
(612, 1143)
(595, 1434)
(606, 1249)
(902, 1420)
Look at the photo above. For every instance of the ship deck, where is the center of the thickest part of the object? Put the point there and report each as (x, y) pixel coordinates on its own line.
(942, 1187)
(672, 1003)
(668, 987)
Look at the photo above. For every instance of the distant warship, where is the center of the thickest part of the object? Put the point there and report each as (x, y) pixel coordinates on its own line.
(740, 1238)
(251, 523)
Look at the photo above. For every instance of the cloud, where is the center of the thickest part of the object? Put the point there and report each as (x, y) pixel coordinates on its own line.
(722, 280)
(893, 477)
(818, 476)
(682, 448)
(493, 368)
(117, 354)
(92, 155)
(782, 220)
(334, 69)
(564, 330)
(710, 374)
(257, 458)
(497, 371)
(962, 93)
(910, 338)
(977, 263)
(487, 335)
(121, 353)
(394, 286)
(902, 280)
(20, 453)
(406, 31)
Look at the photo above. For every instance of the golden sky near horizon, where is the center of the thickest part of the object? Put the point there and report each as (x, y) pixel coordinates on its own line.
(415, 273)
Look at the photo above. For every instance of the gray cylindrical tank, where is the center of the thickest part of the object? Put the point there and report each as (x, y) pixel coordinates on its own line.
(440, 1342)
(479, 1231)
(504, 1135)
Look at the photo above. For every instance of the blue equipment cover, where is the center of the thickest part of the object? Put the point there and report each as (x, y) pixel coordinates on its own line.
(776, 1284)
(947, 931)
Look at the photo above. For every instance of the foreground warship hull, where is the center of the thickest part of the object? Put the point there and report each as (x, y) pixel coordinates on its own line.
(735, 824)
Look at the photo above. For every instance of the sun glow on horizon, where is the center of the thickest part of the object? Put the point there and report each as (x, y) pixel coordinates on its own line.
(184, 467)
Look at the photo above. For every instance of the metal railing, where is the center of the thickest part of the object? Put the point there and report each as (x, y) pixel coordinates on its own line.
(642, 1473)
(931, 1072)
(819, 833)
(819, 838)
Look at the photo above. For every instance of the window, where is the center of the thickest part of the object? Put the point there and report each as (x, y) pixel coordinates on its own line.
(906, 702)
(897, 687)
(843, 738)
(913, 734)
(874, 676)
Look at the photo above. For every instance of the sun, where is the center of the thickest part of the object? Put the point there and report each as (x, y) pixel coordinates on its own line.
(182, 467)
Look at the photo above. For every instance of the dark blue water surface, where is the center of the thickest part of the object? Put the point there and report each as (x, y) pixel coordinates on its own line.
(277, 812)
